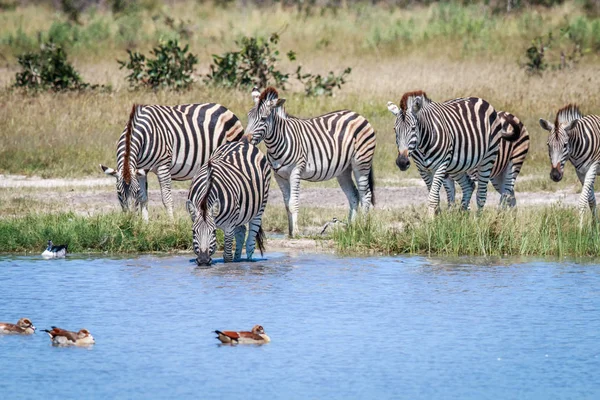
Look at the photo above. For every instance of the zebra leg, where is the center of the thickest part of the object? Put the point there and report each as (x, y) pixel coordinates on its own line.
(467, 185)
(450, 191)
(364, 190)
(587, 196)
(482, 186)
(347, 185)
(436, 185)
(143, 197)
(284, 185)
(294, 200)
(228, 245)
(253, 228)
(164, 179)
(240, 238)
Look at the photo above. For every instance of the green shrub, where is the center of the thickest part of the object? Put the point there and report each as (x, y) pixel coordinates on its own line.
(316, 85)
(48, 69)
(171, 67)
(255, 64)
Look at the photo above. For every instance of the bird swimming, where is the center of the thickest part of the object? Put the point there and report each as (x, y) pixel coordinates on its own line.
(63, 337)
(256, 336)
(23, 327)
(52, 251)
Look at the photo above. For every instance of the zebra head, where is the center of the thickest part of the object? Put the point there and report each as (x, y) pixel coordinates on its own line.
(406, 128)
(128, 186)
(261, 116)
(204, 230)
(558, 140)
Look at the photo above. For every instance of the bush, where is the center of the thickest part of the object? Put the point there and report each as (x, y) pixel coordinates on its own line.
(255, 64)
(171, 67)
(48, 69)
(316, 85)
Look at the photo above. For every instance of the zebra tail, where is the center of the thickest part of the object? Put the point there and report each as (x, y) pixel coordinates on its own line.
(127, 154)
(209, 184)
(260, 240)
(516, 133)
(372, 186)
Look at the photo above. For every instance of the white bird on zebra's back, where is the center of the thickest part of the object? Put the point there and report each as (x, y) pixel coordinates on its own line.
(52, 251)
(334, 221)
(256, 336)
(63, 337)
(22, 327)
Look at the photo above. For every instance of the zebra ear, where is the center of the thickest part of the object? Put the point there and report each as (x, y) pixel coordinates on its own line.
(393, 108)
(109, 171)
(546, 125)
(571, 125)
(215, 209)
(417, 104)
(255, 94)
(192, 210)
(280, 102)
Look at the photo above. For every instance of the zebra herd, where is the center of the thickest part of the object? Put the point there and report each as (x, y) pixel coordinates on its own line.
(464, 140)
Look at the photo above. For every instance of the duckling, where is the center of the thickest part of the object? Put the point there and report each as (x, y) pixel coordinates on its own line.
(23, 327)
(52, 251)
(256, 336)
(62, 337)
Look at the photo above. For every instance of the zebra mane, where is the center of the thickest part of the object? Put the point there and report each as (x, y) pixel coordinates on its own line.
(269, 93)
(408, 95)
(127, 154)
(567, 114)
(208, 185)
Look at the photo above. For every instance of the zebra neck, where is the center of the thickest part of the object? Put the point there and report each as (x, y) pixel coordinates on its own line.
(278, 128)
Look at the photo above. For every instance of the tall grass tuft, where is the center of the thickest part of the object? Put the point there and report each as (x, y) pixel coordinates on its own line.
(549, 231)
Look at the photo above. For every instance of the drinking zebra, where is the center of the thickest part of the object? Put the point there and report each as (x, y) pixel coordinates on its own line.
(228, 192)
(172, 142)
(338, 144)
(454, 139)
(577, 138)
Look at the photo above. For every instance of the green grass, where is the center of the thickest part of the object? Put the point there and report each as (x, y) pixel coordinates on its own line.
(548, 231)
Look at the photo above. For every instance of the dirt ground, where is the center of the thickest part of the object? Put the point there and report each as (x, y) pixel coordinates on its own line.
(92, 195)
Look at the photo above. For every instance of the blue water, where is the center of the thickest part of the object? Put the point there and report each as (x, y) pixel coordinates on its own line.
(359, 328)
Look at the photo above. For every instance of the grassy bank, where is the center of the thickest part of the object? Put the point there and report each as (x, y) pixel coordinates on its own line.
(549, 231)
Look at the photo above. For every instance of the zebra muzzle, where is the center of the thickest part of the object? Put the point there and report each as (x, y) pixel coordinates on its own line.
(403, 162)
(556, 174)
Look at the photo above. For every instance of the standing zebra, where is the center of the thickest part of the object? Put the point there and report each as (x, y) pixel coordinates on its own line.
(511, 156)
(172, 142)
(452, 139)
(230, 190)
(577, 138)
(339, 144)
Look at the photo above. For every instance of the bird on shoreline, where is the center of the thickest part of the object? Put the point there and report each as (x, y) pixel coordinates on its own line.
(256, 336)
(22, 327)
(333, 222)
(63, 337)
(52, 251)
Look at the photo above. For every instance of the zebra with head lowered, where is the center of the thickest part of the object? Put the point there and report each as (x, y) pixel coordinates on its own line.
(172, 142)
(230, 191)
(577, 138)
(338, 144)
(457, 139)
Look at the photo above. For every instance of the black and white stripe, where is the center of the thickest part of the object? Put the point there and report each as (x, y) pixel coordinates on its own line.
(173, 142)
(458, 139)
(340, 144)
(577, 138)
(229, 191)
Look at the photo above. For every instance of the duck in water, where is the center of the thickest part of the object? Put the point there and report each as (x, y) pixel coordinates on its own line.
(256, 336)
(63, 337)
(52, 251)
(23, 327)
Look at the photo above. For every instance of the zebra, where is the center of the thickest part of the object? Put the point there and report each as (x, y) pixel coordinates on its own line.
(576, 137)
(453, 139)
(172, 142)
(229, 191)
(511, 156)
(339, 144)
